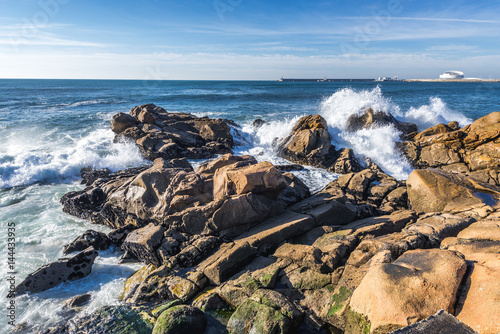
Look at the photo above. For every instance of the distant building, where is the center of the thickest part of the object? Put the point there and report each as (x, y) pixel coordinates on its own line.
(452, 75)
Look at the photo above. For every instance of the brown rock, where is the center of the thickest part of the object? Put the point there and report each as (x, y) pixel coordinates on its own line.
(261, 178)
(144, 242)
(415, 286)
(482, 230)
(432, 190)
(482, 296)
(309, 143)
(121, 121)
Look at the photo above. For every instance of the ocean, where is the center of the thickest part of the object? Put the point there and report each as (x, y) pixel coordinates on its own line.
(50, 129)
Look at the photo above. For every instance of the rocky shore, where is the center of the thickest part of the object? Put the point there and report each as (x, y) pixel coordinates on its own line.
(238, 246)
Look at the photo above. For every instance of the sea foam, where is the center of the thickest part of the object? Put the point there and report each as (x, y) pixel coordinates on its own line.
(40, 156)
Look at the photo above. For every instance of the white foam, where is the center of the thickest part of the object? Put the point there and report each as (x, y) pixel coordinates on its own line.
(38, 156)
(434, 113)
(346, 102)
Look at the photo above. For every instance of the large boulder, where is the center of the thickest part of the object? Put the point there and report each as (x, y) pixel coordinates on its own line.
(415, 286)
(181, 319)
(266, 311)
(66, 269)
(120, 122)
(159, 133)
(371, 118)
(261, 178)
(144, 242)
(309, 143)
(473, 150)
(433, 190)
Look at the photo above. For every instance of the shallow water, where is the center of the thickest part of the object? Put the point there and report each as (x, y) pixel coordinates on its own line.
(50, 129)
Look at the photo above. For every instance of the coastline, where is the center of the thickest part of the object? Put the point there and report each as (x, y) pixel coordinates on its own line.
(312, 260)
(451, 80)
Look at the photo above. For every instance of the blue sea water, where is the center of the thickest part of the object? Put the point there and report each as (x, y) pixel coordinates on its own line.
(50, 129)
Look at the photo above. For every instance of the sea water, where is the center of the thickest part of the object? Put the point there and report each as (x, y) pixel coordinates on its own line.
(50, 129)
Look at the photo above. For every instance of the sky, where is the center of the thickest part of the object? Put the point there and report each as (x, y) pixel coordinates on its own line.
(247, 40)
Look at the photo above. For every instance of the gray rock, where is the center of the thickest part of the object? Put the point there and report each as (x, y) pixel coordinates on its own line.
(66, 269)
(439, 323)
(98, 240)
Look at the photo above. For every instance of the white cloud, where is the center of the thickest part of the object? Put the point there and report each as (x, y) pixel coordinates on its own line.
(193, 66)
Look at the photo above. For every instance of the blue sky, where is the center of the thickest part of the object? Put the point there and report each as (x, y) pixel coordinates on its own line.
(247, 40)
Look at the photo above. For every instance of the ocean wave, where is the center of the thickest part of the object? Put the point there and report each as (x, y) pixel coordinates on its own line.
(45, 157)
(434, 113)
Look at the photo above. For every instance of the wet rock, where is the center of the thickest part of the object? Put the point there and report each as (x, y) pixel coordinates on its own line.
(180, 319)
(371, 118)
(110, 319)
(258, 123)
(309, 143)
(78, 300)
(289, 168)
(66, 269)
(98, 240)
(90, 175)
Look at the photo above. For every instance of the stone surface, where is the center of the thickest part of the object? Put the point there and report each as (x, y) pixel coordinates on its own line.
(180, 319)
(98, 240)
(440, 323)
(433, 190)
(415, 286)
(159, 133)
(66, 269)
(144, 242)
(78, 300)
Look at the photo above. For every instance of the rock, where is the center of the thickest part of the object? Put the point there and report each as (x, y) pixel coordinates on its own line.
(98, 240)
(440, 323)
(437, 227)
(481, 295)
(261, 178)
(371, 118)
(118, 235)
(66, 269)
(266, 311)
(78, 300)
(433, 190)
(309, 143)
(210, 167)
(180, 319)
(159, 133)
(258, 123)
(288, 168)
(473, 150)
(136, 279)
(121, 121)
(144, 242)
(482, 230)
(110, 319)
(267, 235)
(89, 175)
(346, 162)
(415, 286)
